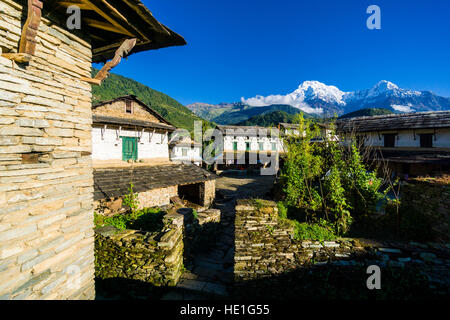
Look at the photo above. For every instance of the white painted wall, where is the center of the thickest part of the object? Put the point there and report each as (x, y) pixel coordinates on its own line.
(193, 154)
(254, 143)
(109, 147)
(405, 138)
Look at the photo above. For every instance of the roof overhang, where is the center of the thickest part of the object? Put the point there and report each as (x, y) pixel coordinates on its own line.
(110, 22)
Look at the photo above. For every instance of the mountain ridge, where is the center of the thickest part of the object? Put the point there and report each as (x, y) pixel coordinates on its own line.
(324, 100)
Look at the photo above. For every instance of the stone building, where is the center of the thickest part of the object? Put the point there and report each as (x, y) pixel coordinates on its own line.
(411, 143)
(130, 145)
(46, 175)
(127, 129)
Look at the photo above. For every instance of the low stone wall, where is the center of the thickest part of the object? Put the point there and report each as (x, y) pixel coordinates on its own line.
(432, 197)
(155, 258)
(265, 250)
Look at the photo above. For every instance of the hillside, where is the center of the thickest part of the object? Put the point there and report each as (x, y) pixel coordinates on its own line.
(237, 112)
(270, 119)
(367, 112)
(115, 86)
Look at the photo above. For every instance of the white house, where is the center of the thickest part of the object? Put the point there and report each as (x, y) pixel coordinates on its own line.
(412, 143)
(126, 129)
(186, 150)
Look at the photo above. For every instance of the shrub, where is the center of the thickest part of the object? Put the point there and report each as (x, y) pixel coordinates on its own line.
(282, 210)
(324, 180)
(147, 219)
(318, 231)
(131, 200)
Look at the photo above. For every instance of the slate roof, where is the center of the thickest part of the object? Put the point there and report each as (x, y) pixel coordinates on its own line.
(99, 119)
(246, 130)
(114, 182)
(418, 120)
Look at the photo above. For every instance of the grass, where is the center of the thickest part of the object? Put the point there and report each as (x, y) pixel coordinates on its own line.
(147, 219)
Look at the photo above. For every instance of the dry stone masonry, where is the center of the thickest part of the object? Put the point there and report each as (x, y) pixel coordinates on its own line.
(46, 184)
(265, 250)
(155, 258)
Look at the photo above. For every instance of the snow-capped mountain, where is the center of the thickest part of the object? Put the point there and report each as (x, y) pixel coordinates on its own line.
(319, 98)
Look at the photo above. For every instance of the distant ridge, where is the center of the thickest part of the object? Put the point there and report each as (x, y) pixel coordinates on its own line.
(367, 112)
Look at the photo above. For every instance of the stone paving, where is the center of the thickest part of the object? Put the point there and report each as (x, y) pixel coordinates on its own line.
(209, 274)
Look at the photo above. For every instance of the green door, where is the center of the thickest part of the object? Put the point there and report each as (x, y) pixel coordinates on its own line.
(129, 148)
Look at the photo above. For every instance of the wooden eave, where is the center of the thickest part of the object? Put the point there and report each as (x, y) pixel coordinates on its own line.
(110, 22)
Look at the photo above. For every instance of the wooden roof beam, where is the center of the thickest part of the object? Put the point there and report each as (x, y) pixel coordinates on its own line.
(123, 50)
(106, 26)
(107, 11)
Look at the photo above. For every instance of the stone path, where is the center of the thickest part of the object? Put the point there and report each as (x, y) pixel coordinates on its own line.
(209, 274)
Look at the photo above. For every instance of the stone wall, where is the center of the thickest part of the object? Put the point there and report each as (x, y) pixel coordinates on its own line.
(267, 259)
(155, 258)
(46, 184)
(157, 197)
(207, 192)
(431, 196)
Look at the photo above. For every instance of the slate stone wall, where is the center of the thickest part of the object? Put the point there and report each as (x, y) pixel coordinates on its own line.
(267, 260)
(155, 258)
(46, 183)
(431, 196)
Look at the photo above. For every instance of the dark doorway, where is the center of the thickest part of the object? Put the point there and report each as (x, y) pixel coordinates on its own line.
(190, 192)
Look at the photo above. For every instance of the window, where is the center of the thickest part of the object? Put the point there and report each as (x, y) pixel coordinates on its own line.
(274, 146)
(235, 146)
(426, 140)
(389, 140)
(128, 106)
(261, 146)
(184, 152)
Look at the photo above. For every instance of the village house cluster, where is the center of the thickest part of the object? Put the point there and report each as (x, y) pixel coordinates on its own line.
(62, 158)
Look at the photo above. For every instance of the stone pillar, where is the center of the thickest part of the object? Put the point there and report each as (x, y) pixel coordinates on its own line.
(207, 192)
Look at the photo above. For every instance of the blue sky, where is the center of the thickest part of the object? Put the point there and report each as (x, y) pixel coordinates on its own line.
(243, 48)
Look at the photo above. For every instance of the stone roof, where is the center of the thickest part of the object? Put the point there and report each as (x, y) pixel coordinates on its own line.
(114, 182)
(418, 120)
(98, 119)
(252, 131)
(185, 142)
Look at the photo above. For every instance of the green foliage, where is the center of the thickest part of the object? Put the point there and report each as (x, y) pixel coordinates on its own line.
(147, 219)
(324, 180)
(195, 214)
(115, 86)
(282, 210)
(367, 112)
(131, 200)
(269, 119)
(320, 231)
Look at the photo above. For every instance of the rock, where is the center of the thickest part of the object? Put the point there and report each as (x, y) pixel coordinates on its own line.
(390, 250)
(427, 256)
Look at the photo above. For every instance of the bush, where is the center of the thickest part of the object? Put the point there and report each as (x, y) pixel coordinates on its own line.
(282, 210)
(147, 219)
(318, 231)
(324, 180)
